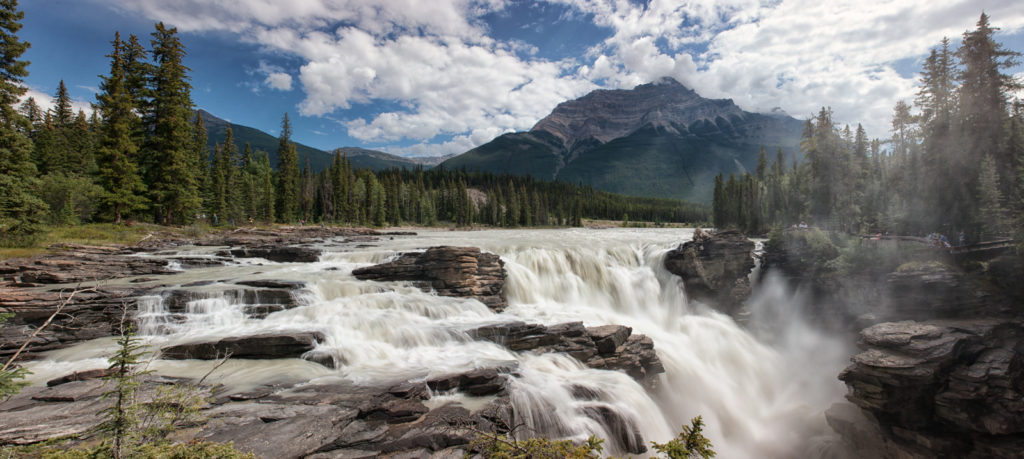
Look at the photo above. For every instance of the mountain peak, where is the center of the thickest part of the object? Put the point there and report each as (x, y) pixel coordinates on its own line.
(604, 115)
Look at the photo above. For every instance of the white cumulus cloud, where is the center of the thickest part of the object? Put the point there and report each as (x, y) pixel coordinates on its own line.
(446, 78)
(279, 80)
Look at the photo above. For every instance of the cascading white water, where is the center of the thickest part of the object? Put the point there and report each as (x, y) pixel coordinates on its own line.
(760, 390)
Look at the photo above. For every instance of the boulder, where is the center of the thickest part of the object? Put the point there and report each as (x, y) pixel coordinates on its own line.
(943, 387)
(279, 254)
(479, 382)
(714, 268)
(450, 271)
(607, 338)
(265, 346)
(607, 347)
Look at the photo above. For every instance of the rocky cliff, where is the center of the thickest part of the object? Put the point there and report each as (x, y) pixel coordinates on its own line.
(714, 268)
(941, 372)
(952, 388)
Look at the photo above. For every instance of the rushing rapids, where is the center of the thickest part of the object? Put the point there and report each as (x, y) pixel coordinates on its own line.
(762, 390)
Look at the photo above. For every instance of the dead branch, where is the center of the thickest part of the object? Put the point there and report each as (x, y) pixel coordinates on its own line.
(60, 307)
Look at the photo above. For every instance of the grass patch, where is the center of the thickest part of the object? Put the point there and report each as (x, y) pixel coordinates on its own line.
(102, 234)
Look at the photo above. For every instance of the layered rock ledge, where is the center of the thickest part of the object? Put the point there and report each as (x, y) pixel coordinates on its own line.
(607, 347)
(714, 268)
(450, 271)
(952, 388)
(263, 346)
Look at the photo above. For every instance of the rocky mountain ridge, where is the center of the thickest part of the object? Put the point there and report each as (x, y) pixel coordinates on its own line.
(607, 114)
(660, 139)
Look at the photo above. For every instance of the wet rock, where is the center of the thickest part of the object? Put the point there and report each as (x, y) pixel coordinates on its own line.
(261, 311)
(265, 346)
(275, 284)
(624, 434)
(609, 347)
(279, 254)
(176, 301)
(609, 337)
(441, 428)
(714, 268)
(80, 376)
(480, 382)
(943, 387)
(396, 411)
(297, 431)
(636, 357)
(88, 315)
(450, 271)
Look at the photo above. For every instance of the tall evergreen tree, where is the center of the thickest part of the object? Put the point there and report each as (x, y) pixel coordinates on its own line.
(170, 171)
(201, 152)
(20, 210)
(118, 172)
(306, 191)
(137, 74)
(63, 115)
(990, 199)
(267, 193)
(983, 97)
(287, 175)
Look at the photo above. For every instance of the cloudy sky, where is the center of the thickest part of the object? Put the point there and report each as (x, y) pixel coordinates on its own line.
(428, 77)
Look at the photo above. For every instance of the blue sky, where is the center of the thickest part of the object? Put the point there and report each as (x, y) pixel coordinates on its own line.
(417, 77)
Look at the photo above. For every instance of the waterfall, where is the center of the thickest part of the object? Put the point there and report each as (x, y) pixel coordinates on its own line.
(761, 394)
(761, 390)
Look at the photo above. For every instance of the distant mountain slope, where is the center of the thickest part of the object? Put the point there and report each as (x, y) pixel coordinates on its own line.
(659, 139)
(318, 159)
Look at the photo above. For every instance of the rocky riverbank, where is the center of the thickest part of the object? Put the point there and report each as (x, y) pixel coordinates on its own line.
(339, 418)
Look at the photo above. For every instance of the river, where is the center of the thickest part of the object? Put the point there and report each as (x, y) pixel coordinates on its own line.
(761, 389)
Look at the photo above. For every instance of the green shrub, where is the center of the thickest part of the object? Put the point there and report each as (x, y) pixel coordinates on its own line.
(689, 444)
(505, 447)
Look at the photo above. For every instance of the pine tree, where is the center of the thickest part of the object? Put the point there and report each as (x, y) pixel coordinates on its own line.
(118, 172)
(63, 116)
(267, 193)
(287, 175)
(201, 151)
(171, 174)
(121, 418)
(33, 114)
(250, 183)
(306, 191)
(983, 97)
(137, 73)
(990, 199)
(21, 212)
(232, 170)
